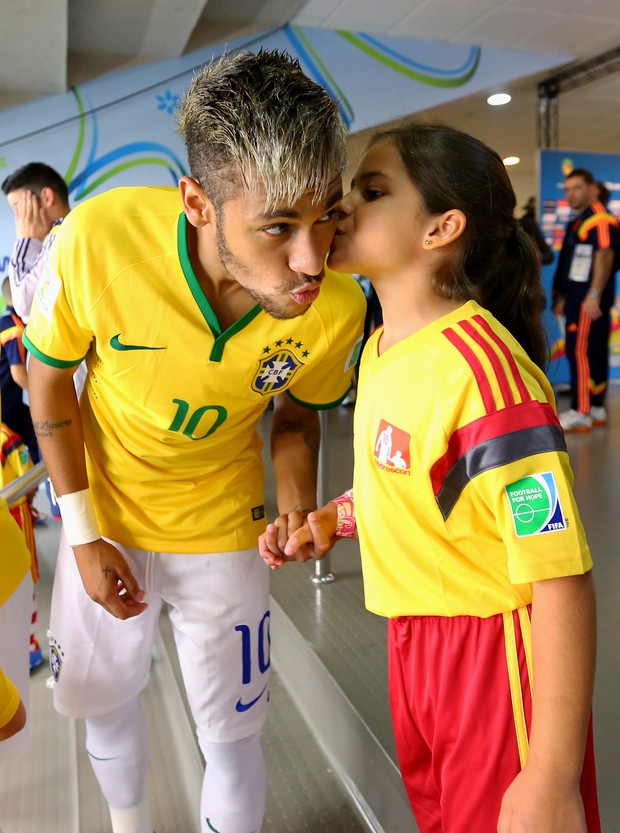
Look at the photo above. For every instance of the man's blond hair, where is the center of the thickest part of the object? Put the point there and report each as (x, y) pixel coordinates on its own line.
(258, 119)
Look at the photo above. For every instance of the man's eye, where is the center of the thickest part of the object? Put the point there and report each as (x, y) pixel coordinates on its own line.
(276, 229)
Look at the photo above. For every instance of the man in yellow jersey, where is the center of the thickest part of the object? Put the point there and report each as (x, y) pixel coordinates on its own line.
(194, 307)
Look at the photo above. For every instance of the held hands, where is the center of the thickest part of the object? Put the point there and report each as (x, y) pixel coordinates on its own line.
(30, 217)
(535, 803)
(108, 580)
(293, 537)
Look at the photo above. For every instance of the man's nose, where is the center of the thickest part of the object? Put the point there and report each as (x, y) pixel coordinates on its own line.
(309, 251)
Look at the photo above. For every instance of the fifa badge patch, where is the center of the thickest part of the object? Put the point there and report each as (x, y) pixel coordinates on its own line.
(48, 289)
(535, 505)
(354, 354)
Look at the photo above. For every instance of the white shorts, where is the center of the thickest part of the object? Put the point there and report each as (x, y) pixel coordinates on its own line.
(218, 604)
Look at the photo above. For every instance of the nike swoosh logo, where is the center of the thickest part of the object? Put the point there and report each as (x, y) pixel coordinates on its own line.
(116, 344)
(243, 707)
(215, 830)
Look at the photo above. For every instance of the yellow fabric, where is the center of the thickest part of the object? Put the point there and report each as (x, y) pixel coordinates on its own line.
(516, 694)
(411, 403)
(171, 404)
(9, 699)
(14, 555)
(17, 460)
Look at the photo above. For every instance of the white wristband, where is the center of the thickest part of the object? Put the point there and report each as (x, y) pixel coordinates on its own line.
(78, 518)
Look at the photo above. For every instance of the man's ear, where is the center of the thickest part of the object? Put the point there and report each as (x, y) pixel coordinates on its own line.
(199, 209)
(47, 197)
(445, 229)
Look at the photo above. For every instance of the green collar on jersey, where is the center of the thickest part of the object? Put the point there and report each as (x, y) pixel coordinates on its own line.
(220, 338)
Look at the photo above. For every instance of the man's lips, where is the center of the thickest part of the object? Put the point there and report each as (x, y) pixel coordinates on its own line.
(307, 294)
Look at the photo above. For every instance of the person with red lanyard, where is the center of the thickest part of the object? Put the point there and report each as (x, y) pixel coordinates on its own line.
(584, 292)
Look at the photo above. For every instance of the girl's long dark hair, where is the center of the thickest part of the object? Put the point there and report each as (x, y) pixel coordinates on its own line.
(497, 264)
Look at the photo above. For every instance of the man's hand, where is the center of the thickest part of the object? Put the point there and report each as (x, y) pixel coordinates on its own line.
(533, 803)
(289, 538)
(592, 307)
(108, 580)
(30, 217)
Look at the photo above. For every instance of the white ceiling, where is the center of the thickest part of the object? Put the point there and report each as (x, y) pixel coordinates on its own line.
(47, 45)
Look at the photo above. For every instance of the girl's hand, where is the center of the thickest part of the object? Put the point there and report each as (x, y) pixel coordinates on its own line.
(533, 803)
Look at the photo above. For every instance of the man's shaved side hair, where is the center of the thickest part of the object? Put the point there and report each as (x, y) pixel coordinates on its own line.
(258, 119)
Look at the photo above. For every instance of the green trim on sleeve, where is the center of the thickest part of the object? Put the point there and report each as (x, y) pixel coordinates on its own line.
(48, 359)
(325, 407)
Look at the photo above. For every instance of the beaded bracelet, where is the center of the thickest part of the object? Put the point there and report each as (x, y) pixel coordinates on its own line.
(345, 506)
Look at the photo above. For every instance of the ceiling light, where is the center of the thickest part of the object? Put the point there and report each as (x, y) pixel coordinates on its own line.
(511, 160)
(498, 98)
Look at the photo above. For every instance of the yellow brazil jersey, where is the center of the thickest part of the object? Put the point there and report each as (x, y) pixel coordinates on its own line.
(463, 488)
(14, 564)
(9, 699)
(14, 557)
(171, 402)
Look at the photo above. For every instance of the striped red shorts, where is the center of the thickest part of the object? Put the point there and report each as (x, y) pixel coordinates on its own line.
(461, 708)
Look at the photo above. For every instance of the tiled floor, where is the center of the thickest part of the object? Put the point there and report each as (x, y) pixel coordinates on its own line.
(304, 795)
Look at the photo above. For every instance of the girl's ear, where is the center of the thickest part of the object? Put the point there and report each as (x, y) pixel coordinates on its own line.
(199, 209)
(445, 229)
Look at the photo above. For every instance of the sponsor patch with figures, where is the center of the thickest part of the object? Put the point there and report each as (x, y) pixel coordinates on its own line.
(391, 449)
(535, 505)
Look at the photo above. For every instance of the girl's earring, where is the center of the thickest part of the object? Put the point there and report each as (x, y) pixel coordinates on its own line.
(427, 242)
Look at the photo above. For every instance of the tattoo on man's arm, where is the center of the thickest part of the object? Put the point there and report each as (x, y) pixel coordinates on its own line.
(106, 572)
(47, 429)
(311, 434)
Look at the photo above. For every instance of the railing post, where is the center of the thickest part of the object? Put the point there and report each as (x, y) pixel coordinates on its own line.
(322, 569)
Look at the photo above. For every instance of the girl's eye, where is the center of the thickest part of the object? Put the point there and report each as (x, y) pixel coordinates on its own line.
(372, 193)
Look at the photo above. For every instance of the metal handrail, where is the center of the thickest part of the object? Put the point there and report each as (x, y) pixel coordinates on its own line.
(20, 487)
(322, 569)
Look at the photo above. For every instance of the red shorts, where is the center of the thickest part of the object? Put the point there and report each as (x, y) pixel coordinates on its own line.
(460, 738)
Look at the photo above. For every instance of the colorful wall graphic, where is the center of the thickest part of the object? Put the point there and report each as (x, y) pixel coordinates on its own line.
(120, 129)
(554, 214)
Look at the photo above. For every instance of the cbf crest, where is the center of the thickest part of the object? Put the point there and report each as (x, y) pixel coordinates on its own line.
(277, 370)
(56, 659)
